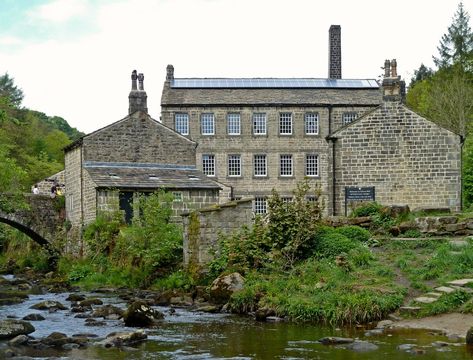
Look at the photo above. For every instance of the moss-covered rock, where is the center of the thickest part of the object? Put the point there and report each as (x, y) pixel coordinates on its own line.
(10, 328)
(140, 314)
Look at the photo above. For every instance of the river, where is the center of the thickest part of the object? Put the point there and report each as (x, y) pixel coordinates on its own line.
(193, 335)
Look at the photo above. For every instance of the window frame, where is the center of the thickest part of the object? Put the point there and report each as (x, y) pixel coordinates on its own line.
(317, 165)
(349, 114)
(176, 115)
(260, 205)
(208, 157)
(231, 166)
(256, 163)
(231, 126)
(306, 124)
(203, 126)
(285, 123)
(281, 167)
(259, 116)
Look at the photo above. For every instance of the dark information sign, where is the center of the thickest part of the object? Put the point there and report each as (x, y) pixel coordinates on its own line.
(359, 193)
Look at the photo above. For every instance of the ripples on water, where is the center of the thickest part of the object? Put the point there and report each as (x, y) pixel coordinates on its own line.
(191, 335)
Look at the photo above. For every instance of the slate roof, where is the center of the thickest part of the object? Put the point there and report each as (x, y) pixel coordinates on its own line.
(147, 176)
(270, 91)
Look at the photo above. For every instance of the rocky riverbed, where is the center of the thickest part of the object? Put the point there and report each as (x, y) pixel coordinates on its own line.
(38, 321)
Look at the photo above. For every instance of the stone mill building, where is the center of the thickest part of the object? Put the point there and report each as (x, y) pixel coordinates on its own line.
(354, 137)
(234, 138)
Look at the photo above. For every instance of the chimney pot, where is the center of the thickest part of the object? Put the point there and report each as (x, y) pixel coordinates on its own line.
(141, 79)
(387, 68)
(133, 80)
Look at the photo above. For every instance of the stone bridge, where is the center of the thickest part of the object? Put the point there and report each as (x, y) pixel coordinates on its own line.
(41, 218)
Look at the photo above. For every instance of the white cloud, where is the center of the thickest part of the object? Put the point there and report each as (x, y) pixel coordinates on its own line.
(59, 11)
(10, 40)
(86, 79)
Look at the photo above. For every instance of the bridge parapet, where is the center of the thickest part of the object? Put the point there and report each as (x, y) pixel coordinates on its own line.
(38, 216)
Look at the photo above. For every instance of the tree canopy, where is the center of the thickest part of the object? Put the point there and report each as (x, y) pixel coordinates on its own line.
(31, 142)
(456, 46)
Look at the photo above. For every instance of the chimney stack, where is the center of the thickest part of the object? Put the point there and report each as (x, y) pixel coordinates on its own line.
(335, 52)
(169, 73)
(394, 89)
(137, 98)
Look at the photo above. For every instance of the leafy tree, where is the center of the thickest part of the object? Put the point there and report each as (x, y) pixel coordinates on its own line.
(456, 46)
(9, 90)
(450, 103)
(422, 73)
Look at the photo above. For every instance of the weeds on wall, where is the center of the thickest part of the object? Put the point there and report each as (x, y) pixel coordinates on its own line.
(132, 255)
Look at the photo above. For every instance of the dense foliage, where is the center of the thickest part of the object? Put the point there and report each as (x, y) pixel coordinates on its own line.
(31, 142)
(129, 255)
(445, 95)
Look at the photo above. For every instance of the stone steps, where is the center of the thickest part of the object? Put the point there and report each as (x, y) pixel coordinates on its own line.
(433, 296)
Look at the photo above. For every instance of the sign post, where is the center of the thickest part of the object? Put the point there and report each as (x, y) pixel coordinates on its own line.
(354, 193)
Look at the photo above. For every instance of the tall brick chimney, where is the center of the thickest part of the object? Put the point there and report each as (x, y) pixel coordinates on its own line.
(335, 52)
(137, 98)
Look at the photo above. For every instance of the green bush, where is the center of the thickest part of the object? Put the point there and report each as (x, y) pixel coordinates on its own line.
(360, 256)
(367, 209)
(333, 244)
(355, 233)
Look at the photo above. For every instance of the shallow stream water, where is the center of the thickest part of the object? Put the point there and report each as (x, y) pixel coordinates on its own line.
(195, 335)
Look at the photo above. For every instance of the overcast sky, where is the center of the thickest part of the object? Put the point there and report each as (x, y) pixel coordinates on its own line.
(73, 58)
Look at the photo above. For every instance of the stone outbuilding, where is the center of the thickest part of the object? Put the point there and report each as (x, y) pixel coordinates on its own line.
(109, 168)
(395, 156)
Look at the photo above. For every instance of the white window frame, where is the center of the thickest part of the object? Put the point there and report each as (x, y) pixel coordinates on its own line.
(260, 124)
(260, 205)
(349, 116)
(208, 164)
(312, 165)
(286, 165)
(207, 124)
(311, 123)
(181, 123)
(234, 165)
(260, 165)
(285, 123)
(233, 124)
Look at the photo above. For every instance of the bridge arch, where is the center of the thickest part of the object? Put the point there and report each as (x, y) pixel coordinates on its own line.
(40, 220)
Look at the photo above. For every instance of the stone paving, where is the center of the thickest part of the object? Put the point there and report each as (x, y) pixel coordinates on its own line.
(433, 296)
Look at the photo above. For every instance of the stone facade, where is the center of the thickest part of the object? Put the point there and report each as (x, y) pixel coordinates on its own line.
(406, 158)
(109, 167)
(202, 229)
(364, 137)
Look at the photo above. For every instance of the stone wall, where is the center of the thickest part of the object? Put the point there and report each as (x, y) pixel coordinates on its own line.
(185, 201)
(203, 227)
(72, 178)
(138, 138)
(408, 159)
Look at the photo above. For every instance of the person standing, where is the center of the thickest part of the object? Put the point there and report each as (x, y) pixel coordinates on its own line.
(35, 189)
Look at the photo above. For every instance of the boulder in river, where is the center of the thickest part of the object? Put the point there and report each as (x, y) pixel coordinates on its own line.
(18, 340)
(75, 297)
(334, 340)
(90, 302)
(119, 339)
(108, 312)
(10, 328)
(48, 305)
(34, 317)
(469, 336)
(140, 314)
(224, 286)
(362, 346)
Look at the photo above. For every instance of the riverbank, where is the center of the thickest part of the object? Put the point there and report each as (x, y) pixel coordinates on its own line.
(452, 324)
(186, 332)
